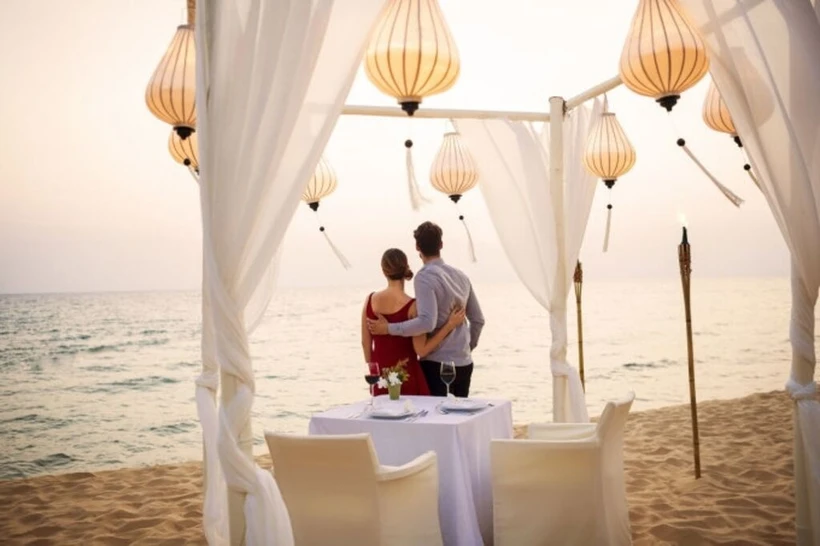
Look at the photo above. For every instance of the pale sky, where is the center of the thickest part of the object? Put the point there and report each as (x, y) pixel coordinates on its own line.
(90, 199)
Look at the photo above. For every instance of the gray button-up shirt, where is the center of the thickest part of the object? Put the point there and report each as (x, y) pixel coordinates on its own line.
(440, 287)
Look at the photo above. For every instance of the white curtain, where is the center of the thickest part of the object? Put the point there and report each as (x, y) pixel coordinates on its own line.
(272, 77)
(764, 57)
(513, 161)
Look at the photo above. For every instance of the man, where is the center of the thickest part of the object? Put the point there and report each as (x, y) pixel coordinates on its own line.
(440, 288)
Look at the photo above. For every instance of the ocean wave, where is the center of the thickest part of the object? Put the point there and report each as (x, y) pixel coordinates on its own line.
(141, 383)
(152, 342)
(133, 384)
(64, 349)
(76, 348)
(104, 368)
(45, 465)
(663, 363)
(185, 364)
(29, 421)
(174, 428)
(102, 348)
(78, 337)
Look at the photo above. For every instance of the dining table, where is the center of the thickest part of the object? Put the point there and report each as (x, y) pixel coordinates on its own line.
(460, 438)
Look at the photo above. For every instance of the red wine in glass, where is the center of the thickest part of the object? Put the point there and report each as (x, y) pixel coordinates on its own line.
(372, 377)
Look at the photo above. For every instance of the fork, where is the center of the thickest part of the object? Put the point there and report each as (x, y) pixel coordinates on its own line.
(417, 416)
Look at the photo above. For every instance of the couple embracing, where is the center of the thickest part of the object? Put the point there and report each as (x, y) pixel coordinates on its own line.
(441, 325)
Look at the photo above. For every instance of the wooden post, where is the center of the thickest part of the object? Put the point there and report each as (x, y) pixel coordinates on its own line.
(685, 262)
(191, 12)
(578, 278)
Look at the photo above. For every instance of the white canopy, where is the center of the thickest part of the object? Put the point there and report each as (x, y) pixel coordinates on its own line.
(531, 210)
(764, 61)
(272, 78)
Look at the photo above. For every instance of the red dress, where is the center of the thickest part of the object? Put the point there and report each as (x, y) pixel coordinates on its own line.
(389, 350)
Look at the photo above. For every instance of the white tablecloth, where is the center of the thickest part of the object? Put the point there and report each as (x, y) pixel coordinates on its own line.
(462, 443)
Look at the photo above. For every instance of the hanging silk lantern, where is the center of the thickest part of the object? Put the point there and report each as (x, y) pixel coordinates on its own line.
(322, 184)
(663, 55)
(412, 55)
(716, 115)
(608, 155)
(453, 173)
(185, 152)
(170, 94)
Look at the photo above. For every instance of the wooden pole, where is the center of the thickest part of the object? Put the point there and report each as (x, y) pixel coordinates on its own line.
(191, 6)
(437, 113)
(578, 278)
(593, 92)
(685, 262)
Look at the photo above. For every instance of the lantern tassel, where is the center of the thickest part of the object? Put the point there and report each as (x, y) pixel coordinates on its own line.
(333, 247)
(469, 238)
(194, 173)
(752, 176)
(417, 199)
(729, 194)
(608, 226)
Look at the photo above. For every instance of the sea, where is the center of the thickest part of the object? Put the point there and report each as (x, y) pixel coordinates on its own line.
(104, 381)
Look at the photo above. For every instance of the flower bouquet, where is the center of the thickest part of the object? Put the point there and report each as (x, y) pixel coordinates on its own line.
(392, 378)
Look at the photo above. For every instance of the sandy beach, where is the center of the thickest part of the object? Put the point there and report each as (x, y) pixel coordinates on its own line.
(745, 496)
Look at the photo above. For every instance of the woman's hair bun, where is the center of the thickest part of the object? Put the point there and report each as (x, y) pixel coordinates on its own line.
(408, 274)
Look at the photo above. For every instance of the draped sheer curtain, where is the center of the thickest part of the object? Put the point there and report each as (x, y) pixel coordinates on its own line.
(513, 161)
(764, 61)
(272, 77)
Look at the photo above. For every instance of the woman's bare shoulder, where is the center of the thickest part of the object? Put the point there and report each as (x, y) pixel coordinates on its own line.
(412, 311)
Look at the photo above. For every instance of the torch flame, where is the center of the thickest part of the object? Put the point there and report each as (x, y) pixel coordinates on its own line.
(682, 219)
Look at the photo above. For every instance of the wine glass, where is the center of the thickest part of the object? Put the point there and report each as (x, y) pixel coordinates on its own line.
(448, 374)
(372, 378)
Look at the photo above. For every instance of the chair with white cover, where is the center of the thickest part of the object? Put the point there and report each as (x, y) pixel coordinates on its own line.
(564, 484)
(336, 492)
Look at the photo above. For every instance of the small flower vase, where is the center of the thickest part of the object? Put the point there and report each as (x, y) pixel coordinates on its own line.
(394, 391)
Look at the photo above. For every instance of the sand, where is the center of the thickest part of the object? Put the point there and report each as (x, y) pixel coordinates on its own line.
(745, 495)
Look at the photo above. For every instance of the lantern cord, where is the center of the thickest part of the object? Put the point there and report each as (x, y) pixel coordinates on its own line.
(729, 194)
(748, 168)
(333, 247)
(608, 226)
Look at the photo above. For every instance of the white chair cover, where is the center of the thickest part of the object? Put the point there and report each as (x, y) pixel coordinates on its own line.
(564, 484)
(338, 493)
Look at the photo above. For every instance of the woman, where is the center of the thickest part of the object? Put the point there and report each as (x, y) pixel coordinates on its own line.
(396, 306)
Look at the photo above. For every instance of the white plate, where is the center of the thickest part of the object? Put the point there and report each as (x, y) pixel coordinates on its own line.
(463, 404)
(391, 413)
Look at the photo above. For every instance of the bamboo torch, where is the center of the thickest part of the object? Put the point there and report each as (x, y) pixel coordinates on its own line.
(578, 278)
(685, 262)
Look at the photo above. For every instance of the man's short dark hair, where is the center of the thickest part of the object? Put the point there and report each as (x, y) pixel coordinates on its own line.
(428, 239)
